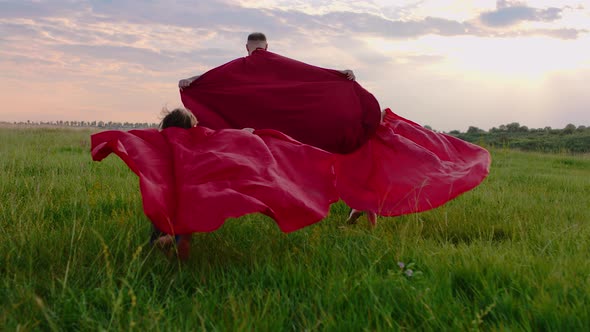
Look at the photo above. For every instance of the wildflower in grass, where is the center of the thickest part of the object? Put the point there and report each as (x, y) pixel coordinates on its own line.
(407, 269)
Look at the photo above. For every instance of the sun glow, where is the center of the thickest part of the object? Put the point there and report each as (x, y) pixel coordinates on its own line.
(525, 58)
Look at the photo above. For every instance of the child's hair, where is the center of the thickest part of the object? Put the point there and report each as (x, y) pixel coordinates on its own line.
(178, 117)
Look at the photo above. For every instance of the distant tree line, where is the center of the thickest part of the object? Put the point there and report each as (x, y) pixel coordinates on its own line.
(89, 124)
(575, 139)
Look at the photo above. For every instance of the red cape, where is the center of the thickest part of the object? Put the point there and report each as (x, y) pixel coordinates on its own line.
(314, 105)
(406, 168)
(193, 180)
(392, 168)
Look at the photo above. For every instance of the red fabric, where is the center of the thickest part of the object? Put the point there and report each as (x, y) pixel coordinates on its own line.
(396, 169)
(193, 180)
(316, 106)
(406, 168)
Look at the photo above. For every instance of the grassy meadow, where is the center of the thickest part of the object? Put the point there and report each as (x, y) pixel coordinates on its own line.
(513, 254)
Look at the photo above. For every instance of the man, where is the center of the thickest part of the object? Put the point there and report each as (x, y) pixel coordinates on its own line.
(393, 168)
(256, 41)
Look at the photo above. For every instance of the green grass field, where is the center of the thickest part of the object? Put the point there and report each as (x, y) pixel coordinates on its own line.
(513, 254)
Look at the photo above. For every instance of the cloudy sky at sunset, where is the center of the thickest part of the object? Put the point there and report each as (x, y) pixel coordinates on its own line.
(448, 64)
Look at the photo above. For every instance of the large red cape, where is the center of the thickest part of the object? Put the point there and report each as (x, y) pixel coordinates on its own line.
(392, 168)
(314, 105)
(192, 180)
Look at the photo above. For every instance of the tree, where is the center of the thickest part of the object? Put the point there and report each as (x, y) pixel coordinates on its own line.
(513, 127)
(474, 130)
(569, 129)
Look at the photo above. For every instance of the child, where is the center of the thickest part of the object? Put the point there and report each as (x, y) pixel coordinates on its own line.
(181, 118)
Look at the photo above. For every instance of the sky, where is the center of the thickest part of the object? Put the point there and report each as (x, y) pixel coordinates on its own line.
(449, 64)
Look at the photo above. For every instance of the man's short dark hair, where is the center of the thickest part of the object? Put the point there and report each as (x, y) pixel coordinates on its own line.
(256, 36)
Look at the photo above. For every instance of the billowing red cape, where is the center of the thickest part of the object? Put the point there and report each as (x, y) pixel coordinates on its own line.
(315, 106)
(406, 168)
(392, 168)
(192, 180)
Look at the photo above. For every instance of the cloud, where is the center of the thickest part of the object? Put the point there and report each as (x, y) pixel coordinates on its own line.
(351, 24)
(509, 13)
(166, 36)
(214, 15)
(565, 34)
(74, 44)
(195, 26)
(35, 9)
(154, 60)
(368, 23)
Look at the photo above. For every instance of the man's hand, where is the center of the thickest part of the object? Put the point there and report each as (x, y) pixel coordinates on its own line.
(185, 83)
(349, 74)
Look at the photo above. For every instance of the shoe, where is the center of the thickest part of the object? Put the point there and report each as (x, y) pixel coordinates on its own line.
(353, 216)
(171, 245)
